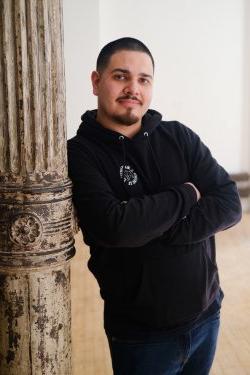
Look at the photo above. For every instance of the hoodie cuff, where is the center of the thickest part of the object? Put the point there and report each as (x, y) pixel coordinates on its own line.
(190, 196)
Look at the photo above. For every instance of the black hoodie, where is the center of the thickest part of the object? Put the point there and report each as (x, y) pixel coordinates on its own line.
(152, 245)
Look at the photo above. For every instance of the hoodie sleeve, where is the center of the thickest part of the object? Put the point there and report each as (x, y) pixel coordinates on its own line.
(107, 221)
(219, 207)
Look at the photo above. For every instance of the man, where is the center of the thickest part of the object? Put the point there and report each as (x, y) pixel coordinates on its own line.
(149, 198)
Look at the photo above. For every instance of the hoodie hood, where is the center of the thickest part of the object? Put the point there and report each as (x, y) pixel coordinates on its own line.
(91, 128)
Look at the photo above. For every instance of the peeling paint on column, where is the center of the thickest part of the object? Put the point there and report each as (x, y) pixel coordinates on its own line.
(54, 333)
(36, 239)
(13, 310)
(36, 317)
(60, 278)
(14, 324)
(50, 326)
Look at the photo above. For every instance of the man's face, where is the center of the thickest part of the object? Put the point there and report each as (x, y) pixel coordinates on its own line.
(124, 88)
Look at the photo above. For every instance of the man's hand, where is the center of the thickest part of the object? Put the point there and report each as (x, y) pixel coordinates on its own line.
(196, 190)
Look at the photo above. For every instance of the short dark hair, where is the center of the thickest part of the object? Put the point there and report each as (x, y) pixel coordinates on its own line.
(127, 44)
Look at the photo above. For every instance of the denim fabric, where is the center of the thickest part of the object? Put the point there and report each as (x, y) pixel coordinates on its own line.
(191, 353)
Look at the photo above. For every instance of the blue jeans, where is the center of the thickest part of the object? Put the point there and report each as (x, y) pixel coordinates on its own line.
(191, 353)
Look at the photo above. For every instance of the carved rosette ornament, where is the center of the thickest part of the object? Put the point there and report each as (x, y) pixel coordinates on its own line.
(36, 239)
(25, 229)
(39, 232)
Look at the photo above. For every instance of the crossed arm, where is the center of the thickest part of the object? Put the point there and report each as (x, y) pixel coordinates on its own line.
(107, 221)
(182, 214)
(219, 205)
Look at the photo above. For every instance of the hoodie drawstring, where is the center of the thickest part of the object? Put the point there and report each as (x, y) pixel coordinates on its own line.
(153, 156)
(121, 139)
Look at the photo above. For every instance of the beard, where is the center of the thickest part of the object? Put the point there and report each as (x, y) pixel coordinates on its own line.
(127, 118)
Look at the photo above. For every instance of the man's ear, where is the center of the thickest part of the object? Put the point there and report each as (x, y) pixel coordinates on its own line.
(95, 78)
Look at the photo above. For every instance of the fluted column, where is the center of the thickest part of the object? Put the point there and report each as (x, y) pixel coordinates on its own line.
(36, 238)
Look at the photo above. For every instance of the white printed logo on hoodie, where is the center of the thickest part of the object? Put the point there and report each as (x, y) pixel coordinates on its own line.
(128, 175)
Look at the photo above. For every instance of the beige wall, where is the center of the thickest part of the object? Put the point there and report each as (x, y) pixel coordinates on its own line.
(202, 59)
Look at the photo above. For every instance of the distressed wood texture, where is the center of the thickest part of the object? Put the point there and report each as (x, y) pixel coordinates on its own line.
(36, 239)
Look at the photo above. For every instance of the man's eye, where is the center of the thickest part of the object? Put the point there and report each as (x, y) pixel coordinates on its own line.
(144, 81)
(120, 77)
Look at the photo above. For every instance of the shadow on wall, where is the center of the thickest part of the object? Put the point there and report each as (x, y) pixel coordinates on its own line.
(246, 79)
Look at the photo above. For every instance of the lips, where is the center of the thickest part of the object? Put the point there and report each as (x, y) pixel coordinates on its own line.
(129, 101)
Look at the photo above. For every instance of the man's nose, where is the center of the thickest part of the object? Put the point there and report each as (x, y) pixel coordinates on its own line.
(132, 88)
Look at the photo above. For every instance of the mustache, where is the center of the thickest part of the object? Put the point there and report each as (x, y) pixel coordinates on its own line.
(129, 97)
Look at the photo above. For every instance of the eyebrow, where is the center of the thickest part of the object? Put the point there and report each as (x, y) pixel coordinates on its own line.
(126, 71)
